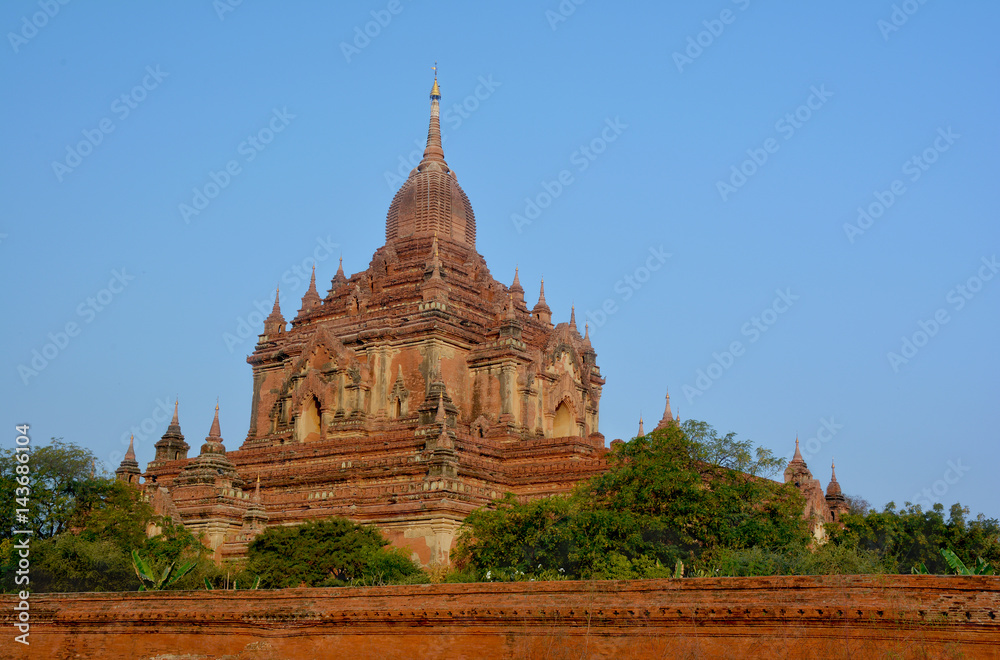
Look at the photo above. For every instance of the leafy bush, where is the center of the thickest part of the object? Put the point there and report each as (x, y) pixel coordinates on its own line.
(327, 553)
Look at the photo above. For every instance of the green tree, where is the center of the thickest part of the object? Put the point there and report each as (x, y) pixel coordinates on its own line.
(912, 538)
(107, 521)
(332, 552)
(709, 490)
(667, 496)
(59, 471)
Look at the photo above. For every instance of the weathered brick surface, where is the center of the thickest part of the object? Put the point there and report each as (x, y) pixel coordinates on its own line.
(802, 617)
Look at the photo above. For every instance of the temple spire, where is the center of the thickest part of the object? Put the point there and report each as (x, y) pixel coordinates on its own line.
(798, 454)
(311, 297)
(541, 310)
(668, 416)
(128, 471)
(275, 322)
(572, 318)
(130, 454)
(174, 421)
(641, 431)
(434, 152)
(215, 431)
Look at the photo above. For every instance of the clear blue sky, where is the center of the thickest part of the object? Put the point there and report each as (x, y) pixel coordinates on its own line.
(835, 101)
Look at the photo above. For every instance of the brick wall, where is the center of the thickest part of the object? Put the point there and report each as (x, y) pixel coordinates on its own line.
(807, 617)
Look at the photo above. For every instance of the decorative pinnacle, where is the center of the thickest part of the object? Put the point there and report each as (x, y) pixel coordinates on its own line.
(572, 317)
(215, 431)
(439, 417)
(798, 455)
(433, 151)
(311, 297)
(641, 431)
(174, 421)
(130, 454)
(833, 470)
(276, 310)
(667, 414)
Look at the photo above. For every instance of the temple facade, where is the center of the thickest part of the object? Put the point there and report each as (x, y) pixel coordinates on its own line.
(407, 395)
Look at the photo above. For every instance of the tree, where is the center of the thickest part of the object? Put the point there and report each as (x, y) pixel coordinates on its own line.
(912, 538)
(330, 552)
(105, 524)
(59, 471)
(667, 496)
(703, 487)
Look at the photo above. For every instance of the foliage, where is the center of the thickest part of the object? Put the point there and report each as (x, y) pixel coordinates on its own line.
(981, 567)
(912, 539)
(666, 498)
(857, 505)
(147, 573)
(826, 559)
(333, 552)
(59, 472)
(105, 522)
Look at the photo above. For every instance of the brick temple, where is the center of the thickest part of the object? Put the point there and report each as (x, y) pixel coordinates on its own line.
(407, 396)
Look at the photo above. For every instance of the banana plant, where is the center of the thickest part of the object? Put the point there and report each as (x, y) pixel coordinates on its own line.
(147, 576)
(982, 567)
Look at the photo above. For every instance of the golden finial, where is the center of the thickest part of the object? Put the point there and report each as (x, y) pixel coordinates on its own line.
(435, 90)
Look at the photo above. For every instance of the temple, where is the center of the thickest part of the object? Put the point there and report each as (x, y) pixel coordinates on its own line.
(820, 508)
(406, 396)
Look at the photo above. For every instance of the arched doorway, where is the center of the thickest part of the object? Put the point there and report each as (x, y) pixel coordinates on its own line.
(308, 422)
(564, 423)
